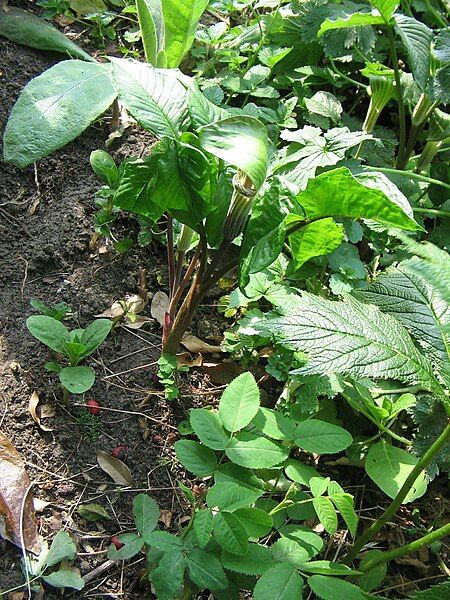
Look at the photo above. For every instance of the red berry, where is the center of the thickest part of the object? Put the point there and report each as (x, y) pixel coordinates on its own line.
(117, 543)
(93, 407)
(120, 452)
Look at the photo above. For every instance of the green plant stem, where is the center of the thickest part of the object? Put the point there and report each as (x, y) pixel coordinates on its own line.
(401, 106)
(396, 503)
(409, 174)
(432, 211)
(426, 540)
(346, 77)
(439, 20)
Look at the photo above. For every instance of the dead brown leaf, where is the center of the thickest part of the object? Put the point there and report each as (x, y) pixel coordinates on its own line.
(195, 344)
(159, 306)
(36, 411)
(165, 516)
(222, 373)
(14, 495)
(184, 358)
(115, 468)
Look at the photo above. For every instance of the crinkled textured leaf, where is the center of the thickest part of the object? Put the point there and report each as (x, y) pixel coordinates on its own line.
(240, 141)
(25, 28)
(155, 98)
(389, 467)
(430, 417)
(205, 570)
(408, 298)
(203, 111)
(352, 338)
(441, 85)
(435, 592)
(55, 108)
(230, 533)
(255, 452)
(281, 582)
(416, 38)
(256, 562)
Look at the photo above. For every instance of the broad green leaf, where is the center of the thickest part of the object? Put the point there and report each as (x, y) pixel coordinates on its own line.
(168, 586)
(304, 536)
(338, 193)
(356, 19)
(256, 562)
(321, 437)
(208, 427)
(155, 98)
(205, 570)
(352, 338)
(299, 472)
(136, 187)
(64, 578)
(311, 148)
(281, 582)
(62, 548)
(55, 108)
(318, 485)
(316, 239)
(231, 496)
(416, 38)
(411, 300)
(326, 513)
(104, 166)
(274, 424)
(441, 85)
(149, 33)
(239, 402)
(257, 522)
(232, 473)
(133, 544)
(240, 141)
(77, 379)
(263, 253)
(289, 550)
(330, 588)
(198, 459)
(203, 526)
(344, 504)
(181, 21)
(326, 567)
(230, 533)
(49, 331)
(25, 28)
(389, 467)
(95, 334)
(441, 43)
(255, 452)
(201, 109)
(87, 7)
(385, 7)
(164, 541)
(146, 514)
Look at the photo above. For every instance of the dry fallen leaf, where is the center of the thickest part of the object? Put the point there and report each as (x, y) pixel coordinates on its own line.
(222, 373)
(116, 469)
(40, 505)
(36, 411)
(195, 344)
(14, 493)
(165, 516)
(184, 358)
(159, 306)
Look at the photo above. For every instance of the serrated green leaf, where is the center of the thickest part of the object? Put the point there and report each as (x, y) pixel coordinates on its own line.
(257, 522)
(321, 437)
(64, 579)
(230, 472)
(239, 402)
(385, 7)
(330, 588)
(344, 504)
(231, 496)
(326, 567)
(310, 541)
(208, 427)
(441, 85)
(389, 467)
(326, 513)
(318, 485)
(435, 592)
(62, 548)
(255, 452)
(352, 338)
(156, 99)
(230, 533)
(256, 562)
(198, 459)
(299, 472)
(416, 38)
(133, 544)
(164, 541)
(205, 570)
(169, 587)
(203, 526)
(281, 582)
(274, 424)
(55, 108)
(289, 550)
(356, 19)
(146, 514)
(25, 28)
(240, 141)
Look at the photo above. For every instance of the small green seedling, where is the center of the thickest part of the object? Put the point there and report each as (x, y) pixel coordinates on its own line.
(59, 311)
(74, 345)
(167, 375)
